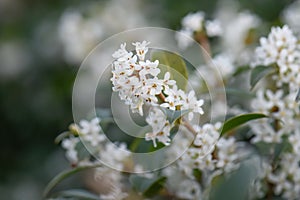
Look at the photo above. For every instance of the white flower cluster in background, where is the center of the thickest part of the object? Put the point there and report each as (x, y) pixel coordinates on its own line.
(282, 48)
(237, 38)
(282, 128)
(136, 80)
(89, 134)
(81, 28)
(221, 158)
(196, 23)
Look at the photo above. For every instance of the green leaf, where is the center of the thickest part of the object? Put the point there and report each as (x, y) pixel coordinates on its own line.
(234, 186)
(239, 120)
(258, 73)
(147, 186)
(241, 70)
(238, 92)
(76, 193)
(173, 115)
(173, 63)
(65, 174)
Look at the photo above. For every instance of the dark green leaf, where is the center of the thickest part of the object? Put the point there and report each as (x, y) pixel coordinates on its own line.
(258, 73)
(239, 120)
(63, 175)
(241, 70)
(173, 63)
(148, 186)
(225, 187)
(78, 194)
(238, 92)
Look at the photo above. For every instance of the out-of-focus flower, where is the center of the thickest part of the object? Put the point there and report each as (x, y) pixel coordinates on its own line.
(291, 16)
(69, 145)
(224, 63)
(281, 48)
(227, 156)
(206, 138)
(189, 189)
(213, 28)
(237, 26)
(193, 21)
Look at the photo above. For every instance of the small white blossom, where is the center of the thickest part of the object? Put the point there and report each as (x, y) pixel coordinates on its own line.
(193, 21)
(91, 131)
(191, 103)
(189, 189)
(184, 38)
(227, 157)
(224, 63)
(114, 154)
(213, 28)
(160, 127)
(281, 47)
(206, 138)
(71, 153)
(141, 49)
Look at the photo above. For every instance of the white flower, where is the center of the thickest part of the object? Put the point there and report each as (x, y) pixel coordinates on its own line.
(227, 157)
(193, 21)
(191, 103)
(184, 38)
(174, 98)
(291, 15)
(281, 47)
(224, 62)
(213, 28)
(114, 155)
(264, 132)
(69, 144)
(206, 138)
(122, 52)
(141, 49)
(294, 140)
(149, 67)
(281, 182)
(78, 34)
(90, 127)
(236, 28)
(189, 189)
(160, 127)
(91, 131)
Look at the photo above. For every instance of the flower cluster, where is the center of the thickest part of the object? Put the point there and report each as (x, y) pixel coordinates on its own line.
(211, 153)
(137, 82)
(282, 48)
(160, 127)
(136, 79)
(282, 128)
(221, 157)
(89, 134)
